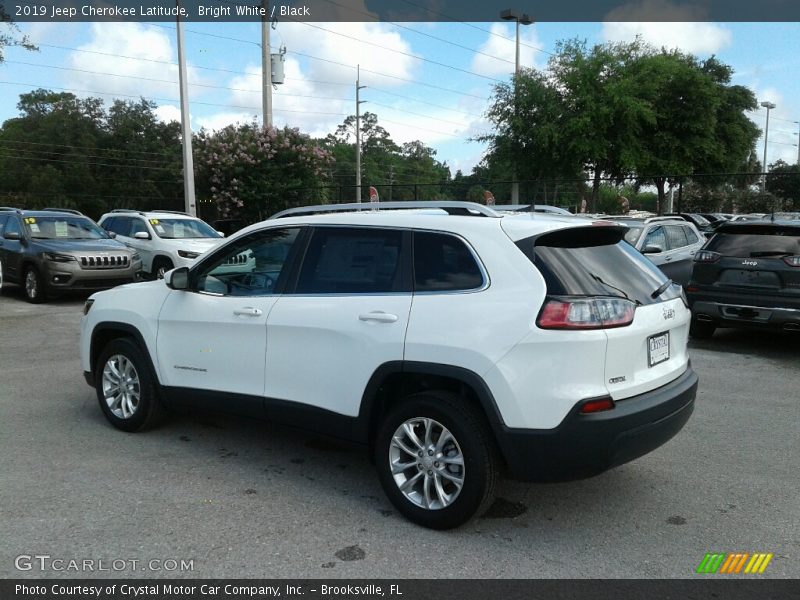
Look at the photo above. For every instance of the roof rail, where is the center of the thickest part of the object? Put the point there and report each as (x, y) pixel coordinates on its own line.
(70, 211)
(14, 208)
(451, 207)
(663, 218)
(172, 212)
(127, 210)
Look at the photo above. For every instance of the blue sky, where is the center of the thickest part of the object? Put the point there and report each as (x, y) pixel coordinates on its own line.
(440, 100)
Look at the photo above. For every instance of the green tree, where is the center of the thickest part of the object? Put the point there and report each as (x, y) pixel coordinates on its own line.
(783, 181)
(252, 171)
(10, 34)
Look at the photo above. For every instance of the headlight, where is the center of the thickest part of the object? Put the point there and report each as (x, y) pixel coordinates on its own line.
(87, 306)
(62, 258)
(187, 254)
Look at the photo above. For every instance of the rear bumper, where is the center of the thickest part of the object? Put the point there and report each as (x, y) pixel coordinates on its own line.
(586, 445)
(747, 313)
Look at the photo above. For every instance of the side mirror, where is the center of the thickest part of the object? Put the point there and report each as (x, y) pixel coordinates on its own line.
(177, 279)
(111, 234)
(652, 250)
(141, 235)
(221, 233)
(12, 235)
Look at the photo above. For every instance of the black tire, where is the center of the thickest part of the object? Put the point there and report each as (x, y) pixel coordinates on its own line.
(35, 293)
(149, 409)
(160, 266)
(480, 458)
(701, 330)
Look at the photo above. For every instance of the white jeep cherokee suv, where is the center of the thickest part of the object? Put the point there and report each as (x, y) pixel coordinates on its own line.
(164, 239)
(453, 342)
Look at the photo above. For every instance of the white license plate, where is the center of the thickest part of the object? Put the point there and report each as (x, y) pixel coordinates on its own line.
(657, 348)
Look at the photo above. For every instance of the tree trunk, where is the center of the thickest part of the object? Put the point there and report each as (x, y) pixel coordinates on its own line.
(662, 195)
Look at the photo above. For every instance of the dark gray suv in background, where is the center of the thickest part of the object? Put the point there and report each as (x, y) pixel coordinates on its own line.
(51, 251)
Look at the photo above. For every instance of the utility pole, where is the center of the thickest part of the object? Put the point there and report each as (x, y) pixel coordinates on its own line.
(266, 69)
(391, 181)
(769, 106)
(186, 126)
(798, 142)
(358, 132)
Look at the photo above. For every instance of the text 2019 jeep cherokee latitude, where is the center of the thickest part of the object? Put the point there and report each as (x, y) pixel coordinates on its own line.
(453, 342)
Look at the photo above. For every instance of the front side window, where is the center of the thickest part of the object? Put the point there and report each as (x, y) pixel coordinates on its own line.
(676, 238)
(444, 263)
(352, 261)
(3, 219)
(13, 226)
(63, 228)
(137, 226)
(656, 238)
(253, 266)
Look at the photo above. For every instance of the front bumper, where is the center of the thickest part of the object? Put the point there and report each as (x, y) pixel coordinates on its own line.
(70, 277)
(584, 445)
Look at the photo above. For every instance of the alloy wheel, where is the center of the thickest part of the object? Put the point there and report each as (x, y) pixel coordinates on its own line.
(427, 463)
(121, 386)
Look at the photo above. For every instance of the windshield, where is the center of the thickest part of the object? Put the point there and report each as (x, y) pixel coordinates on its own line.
(63, 228)
(633, 234)
(182, 229)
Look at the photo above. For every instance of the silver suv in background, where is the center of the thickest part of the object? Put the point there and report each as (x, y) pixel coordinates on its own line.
(669, 242)
(165, 239)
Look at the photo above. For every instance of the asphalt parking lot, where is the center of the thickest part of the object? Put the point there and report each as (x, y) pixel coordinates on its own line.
(245, 499)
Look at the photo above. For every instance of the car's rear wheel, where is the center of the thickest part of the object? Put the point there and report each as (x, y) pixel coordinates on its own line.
(436, 460)
(702, 330)
(161, 266)
(125, 387)
(34, 286)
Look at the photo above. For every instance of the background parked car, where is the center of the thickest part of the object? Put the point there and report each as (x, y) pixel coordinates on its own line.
(696, 219)
(747, 275)
(164, 239)
(669, 242)
(52, 251)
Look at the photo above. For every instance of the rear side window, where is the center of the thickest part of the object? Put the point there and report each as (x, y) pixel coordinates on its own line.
(352, 261)
(444, 263)
(592, 261)
(119, 225)
(691, 236)
(753, 241)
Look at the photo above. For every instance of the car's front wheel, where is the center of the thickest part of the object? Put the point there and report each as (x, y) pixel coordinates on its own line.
(34, 286)
(125, 387)
(436, 460)
(161, 266)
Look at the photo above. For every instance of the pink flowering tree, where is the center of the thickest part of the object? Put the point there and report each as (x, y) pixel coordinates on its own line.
(251, 172)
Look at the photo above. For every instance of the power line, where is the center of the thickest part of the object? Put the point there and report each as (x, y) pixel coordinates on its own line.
(39, 159)
(82, 147)
(415, 113)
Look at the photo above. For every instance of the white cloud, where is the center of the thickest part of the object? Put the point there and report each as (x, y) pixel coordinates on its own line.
(504, 49)
(695, 38)
(109, 43)
(221, 120)
(168, 112)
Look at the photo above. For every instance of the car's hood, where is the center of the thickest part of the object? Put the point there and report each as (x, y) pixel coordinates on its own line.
(66, 246)
(199, 245)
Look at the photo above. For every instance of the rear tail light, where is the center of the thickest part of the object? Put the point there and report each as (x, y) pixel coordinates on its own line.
(586, 313)
(792, 261)
(706, 256)
(597, 405)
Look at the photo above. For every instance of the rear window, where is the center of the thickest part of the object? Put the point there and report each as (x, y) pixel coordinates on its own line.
(751, 241)
(595, 262)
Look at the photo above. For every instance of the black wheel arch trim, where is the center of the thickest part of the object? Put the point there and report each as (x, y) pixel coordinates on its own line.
(130, 331)
(363, 425)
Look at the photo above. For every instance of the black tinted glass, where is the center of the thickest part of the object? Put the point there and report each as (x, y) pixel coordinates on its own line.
(352, 261)
(444, 263)
(756, 242)
(595, 268)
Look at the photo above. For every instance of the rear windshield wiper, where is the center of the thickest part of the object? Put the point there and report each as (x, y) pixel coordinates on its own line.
(662, 288)
(770, 253)
(599, 279)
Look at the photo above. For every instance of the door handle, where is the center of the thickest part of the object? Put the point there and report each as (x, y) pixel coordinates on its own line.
(379, 317)
(248, 311)
(667, 258)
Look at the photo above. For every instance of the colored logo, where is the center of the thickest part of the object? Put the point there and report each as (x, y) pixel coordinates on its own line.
(734, 563)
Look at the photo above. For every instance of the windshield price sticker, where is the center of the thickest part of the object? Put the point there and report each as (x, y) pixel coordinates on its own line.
(62, 229)
(153, 221)
(30, 220)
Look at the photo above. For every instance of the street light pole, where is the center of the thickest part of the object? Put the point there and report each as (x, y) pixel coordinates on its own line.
(519, 19)
(769, 106)
(359, 87)
(186, 126)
